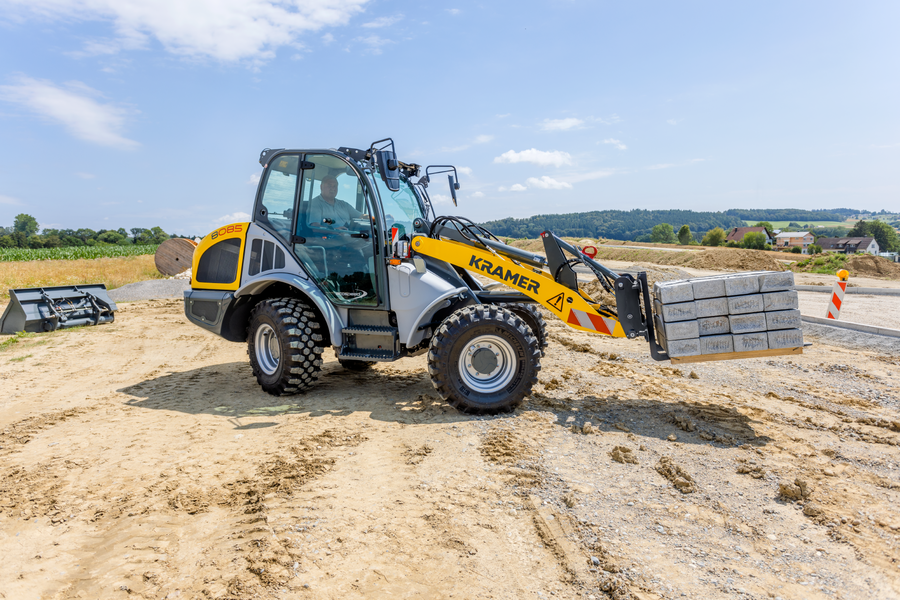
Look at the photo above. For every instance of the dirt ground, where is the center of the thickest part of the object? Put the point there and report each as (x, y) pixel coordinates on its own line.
(140, 459)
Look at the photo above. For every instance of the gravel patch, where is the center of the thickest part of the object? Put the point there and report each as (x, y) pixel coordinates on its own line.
(150, 290)
(850, 339)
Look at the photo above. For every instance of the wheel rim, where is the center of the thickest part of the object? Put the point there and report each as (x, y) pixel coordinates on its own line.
(487, 364)
(268, 349)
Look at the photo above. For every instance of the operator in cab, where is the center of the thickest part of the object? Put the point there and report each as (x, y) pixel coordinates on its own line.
(325, 210)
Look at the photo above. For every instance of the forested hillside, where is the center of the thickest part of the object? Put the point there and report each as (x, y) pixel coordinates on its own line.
(614, 224)
(786, 214)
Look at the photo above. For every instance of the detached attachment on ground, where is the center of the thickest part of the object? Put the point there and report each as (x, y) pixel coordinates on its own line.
(47, 309)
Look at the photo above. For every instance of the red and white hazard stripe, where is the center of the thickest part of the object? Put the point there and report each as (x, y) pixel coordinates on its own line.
(837, 298)
(593, 322)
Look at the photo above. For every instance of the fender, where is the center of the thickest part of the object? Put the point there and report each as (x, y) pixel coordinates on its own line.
(309, 289)
(436, 305)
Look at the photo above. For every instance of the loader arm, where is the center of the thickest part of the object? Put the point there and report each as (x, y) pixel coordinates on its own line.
(573, 307)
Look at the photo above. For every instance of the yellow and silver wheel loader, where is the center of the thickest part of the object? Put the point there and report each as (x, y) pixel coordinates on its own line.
(344, 249)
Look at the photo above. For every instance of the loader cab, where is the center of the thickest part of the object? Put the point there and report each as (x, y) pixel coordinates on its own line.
(336, 215)
(321, 206)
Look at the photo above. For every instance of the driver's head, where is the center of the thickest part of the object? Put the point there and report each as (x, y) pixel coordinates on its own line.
(329, 187)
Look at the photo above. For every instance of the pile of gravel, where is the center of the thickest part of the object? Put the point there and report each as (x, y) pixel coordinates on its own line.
(150, 290)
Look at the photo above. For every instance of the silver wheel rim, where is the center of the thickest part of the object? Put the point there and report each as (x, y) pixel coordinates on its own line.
(487, 364)
(268, 349)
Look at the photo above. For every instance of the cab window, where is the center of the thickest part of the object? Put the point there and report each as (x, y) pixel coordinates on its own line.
(398, 208)
(276, 207)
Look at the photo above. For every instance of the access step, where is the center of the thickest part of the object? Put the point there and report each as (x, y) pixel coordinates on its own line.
(373, 343)
(368, 355)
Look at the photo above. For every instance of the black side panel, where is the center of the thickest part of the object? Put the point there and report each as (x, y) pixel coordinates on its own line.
(208, 310)
(219, 263)
(268, 252)
(255, 256)
(279, 258)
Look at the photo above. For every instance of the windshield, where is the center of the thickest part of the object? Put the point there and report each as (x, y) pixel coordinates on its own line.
(398, 207)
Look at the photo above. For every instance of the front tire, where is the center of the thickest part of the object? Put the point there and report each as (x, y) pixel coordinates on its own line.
(484, 359)
(533, 318)
(284, 346)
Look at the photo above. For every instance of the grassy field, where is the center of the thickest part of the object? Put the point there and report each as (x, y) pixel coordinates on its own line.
(114, 272)
(74, 253)
(783, 224)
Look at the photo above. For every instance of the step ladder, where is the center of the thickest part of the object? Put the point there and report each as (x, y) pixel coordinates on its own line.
(372, 343)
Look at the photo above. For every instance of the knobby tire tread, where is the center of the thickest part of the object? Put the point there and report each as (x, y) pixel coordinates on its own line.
(301, 345)
(460, 323)
(532, 316)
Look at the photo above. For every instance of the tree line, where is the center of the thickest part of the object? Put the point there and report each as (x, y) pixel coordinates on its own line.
(614, 224)
(25, 228)
(788, 214)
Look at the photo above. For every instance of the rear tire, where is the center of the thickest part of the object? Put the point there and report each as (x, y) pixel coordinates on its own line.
(484, 359)
(284, 345)
(533, 318)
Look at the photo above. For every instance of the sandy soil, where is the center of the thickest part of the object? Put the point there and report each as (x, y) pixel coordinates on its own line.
(140, 459)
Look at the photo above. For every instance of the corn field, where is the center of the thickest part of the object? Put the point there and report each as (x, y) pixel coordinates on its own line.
(74, 252)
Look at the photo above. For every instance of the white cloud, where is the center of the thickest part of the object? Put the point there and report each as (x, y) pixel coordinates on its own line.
(85, 175)
(541, 158)
(503, 116)
(75, 107)
(674, 121)
(454, 11)
(254, 179)
(227, 30)
(374, 42)
(547, 183)
(618, 144)
(238, 217)
(883, 146)
(383, 22)
(478, 195)
(464, 170)
(661, 166)
(481, 139)
(9, 200)
(562, 124)
(327, 38)
(440, 199)
(579, 177)
(518, 187)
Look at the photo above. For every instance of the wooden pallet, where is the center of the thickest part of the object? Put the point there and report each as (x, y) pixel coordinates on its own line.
(735, 355)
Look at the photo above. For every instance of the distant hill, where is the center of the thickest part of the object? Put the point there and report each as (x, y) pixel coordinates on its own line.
(614, 224)
(789, 214)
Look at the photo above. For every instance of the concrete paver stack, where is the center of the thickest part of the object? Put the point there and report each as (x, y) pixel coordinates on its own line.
(722, 314)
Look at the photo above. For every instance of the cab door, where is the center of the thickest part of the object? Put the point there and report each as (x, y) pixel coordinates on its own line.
(334, 237)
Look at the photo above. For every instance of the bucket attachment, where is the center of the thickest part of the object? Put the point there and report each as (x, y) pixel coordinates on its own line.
(48, 309)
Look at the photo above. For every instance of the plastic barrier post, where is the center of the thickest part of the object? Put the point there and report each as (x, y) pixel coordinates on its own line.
(837, 294)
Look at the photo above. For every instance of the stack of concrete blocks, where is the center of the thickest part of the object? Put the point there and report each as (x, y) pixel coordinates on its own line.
(727, 313)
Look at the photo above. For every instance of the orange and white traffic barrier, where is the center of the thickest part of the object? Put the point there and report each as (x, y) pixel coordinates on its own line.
(837, 294)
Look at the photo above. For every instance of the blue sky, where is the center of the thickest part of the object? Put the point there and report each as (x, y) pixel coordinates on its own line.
(136, 113)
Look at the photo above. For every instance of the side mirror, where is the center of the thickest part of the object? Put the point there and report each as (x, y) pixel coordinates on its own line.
(452, 177)
(389, 169)
(453, 187)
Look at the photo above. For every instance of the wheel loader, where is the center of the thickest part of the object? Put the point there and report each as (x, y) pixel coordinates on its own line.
(344, 250)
